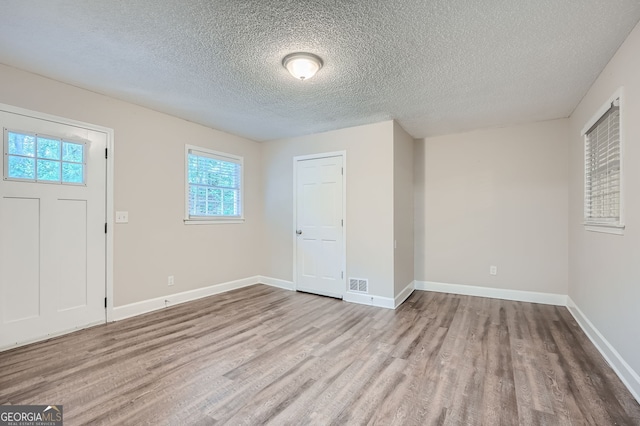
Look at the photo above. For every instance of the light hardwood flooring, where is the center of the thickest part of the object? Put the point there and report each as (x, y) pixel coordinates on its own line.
(264, 355)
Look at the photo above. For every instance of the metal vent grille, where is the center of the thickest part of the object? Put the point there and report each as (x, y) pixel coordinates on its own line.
(360, 285)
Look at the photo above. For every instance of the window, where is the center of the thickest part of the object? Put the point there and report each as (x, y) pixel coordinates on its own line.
(214, 186)
(603, 171)
(31, 157)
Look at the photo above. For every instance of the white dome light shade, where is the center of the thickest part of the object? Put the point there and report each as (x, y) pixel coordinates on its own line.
(302, 66)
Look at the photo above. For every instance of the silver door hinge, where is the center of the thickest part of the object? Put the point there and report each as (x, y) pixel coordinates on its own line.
(342, 170)
(342, 274)
(342, 222)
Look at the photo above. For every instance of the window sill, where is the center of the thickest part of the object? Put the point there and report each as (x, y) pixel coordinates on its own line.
(606, 229)
(212, 221)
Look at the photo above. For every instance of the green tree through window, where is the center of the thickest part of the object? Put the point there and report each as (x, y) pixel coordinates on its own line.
(214, 185)
(32, 157)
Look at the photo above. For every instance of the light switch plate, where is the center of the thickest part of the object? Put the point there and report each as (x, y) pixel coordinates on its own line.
(122, 217)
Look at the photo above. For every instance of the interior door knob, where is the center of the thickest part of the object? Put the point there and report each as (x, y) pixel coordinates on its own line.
(299, 232)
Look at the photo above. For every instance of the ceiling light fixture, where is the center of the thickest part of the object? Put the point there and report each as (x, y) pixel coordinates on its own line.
(302, 65)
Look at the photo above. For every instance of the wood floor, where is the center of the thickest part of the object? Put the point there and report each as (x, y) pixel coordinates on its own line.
(264, 355)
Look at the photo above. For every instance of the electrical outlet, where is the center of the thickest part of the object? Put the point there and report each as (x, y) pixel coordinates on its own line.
(122, 217)
(170, 280)
(493, 270)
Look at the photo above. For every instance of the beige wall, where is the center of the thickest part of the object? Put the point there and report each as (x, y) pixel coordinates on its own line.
(494, 197)
(402, 208)
(149, 183)
(369, 220)
(604, 269)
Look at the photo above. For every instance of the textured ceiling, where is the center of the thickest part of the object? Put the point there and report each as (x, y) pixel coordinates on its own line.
(436, 66)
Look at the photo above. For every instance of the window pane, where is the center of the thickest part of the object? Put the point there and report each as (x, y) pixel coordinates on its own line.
(49, 148)
(207, 171)
(72, 173)
(20, 144)
(73, 152)
(21, 167)
(201, 201)
(193, 169)
(227, 174)
(192, 200)
(215, 203)
(229, 202)
(48, 170)
(214, 186)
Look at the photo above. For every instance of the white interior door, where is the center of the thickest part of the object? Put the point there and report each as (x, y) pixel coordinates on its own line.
(52, 228)
(319, 228)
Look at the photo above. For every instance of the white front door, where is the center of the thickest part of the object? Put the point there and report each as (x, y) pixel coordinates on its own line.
(52, 228)
(319, 228)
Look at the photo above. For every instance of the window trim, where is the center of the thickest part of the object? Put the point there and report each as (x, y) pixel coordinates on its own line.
(595, 226)
(211, 220)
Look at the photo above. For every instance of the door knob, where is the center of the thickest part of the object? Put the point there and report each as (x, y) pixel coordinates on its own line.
(299, 232)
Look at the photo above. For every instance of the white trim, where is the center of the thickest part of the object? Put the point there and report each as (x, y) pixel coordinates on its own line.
(296, 159)
(110, 222)
(605, 229)
(369, 299)
(211, 222)
(275, 282)
(495, 293)
(404, 294)
(629, 377)
(142, 307)
(320, 155)
(109, 219)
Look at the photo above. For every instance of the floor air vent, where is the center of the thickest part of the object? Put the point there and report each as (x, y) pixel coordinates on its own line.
(360, 285)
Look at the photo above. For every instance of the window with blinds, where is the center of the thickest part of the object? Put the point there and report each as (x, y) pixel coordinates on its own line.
(214, 185)
(602, 192)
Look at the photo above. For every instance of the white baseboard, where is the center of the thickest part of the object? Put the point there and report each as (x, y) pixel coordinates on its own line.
(495, 293)
(276, 282)
(139, 308)
(360, 298)
(369, 299)
(404, 294)
(379, 301)
(629, 377)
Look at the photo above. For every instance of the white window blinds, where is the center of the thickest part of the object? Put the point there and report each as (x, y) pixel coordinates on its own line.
(602, 170)
(214, 184)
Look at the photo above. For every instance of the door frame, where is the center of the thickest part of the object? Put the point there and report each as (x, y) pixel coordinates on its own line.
(296, 160)
(108, 190)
